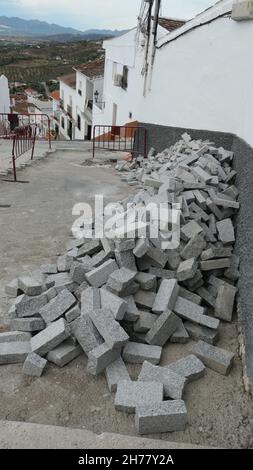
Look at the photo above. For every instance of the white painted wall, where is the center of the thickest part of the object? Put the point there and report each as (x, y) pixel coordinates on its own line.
(202, 79)
(67, 94)
(4, 95)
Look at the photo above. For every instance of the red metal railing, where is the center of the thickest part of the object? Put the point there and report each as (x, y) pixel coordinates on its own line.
(9, 122)
(23, 140)
(131, 139)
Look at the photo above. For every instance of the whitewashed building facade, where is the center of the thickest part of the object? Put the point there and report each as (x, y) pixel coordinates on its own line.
(4, 95)
(202, 76)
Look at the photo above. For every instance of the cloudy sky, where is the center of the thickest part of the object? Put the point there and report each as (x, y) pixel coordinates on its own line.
(86, 14)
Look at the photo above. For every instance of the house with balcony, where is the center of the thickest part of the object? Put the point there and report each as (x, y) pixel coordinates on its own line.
(79, 92)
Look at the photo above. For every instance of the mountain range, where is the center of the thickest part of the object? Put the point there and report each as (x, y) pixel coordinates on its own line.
(35, 28)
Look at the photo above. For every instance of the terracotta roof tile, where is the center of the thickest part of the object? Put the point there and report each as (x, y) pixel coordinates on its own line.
(69, 80)
(55, 95)
(92, 69)
(170, 23)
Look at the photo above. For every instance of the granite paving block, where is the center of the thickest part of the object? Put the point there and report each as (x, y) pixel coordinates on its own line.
(130, 395)
(173, 382)
(34, 365)
(215, 358)
(137, 353)
(167, 416)
(115, 373)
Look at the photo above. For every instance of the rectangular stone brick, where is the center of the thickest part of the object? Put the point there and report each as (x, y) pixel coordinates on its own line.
(16, 336)
(99, 276)
(130, 395)
(89, 248)
(137, 353)
(191, 296)
(215, 358)
(125, 244)
(189, 230)
(162, 273)
(49, 338)
(189, 367)
(141, 247)
(206, 296)
(194, 247)
(64, 353)
(145, 299)
(180, 335)
(224, 304)
(115, 373)
(226, 231)
(187, 269)
(72, 314)
(108, 327)
(120, 279)
(27, 306)
(166, 296)
(34, 365)
(194, 313)
(101, 357)
(145, 322)
(210, 265)
(146, 281)
(132, 313)
(14, 352)
(158, 258)
(173, 383)
(90, 299)
(30, 324)
(117, 305)
(58, 306)
(29, 285)
(86, 334)
(199, 332)
(164, 327)
(12, 289)
(64, 263)
(167, 416)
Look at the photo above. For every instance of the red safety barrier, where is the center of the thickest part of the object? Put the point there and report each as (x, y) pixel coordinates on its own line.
(9, 122)
(23, 140)
(131, 139)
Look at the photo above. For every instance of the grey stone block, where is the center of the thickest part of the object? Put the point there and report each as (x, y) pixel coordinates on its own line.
(30, 306)
(30, 286)
(64, 263)
(210, 265)
(115, 373)
(64, 353)
(232, 272)
(187, 269)
(189, 367)
(224, 304)
(206, 296)
(157, 257)
(62, 280)
(72, 314)
(130, 395)
(201, 175)
(145, 322)
(216, 252)
(89, 248)
(99, 276)
(78, 272)
(126, 259)
(199, 332)
(86, 334)
(164, 327)
(120, 279)
(16, 336)
(30, 324)
(145, 299)
(137, 353)
(194, 247)
(49, 338)
(58, 306)
(99, 258)
(34, 365)
(101, 357)
(186, 294)
(117, 305)
(125, 244)
(215, 358)
(173, 383)
(108, 327)
(14, 352)
(12, 289)
(162, 273)
(189, 230)
(226, 231)
(168, 416)
(49, 269)
(166, 296)
(78, 292)
(90, 299)
(180, 335)
(146, 281)
(132, 313)
(194, 313)
(141, 247)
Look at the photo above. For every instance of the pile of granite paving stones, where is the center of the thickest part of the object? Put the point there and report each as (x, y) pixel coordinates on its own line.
(120, 299)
